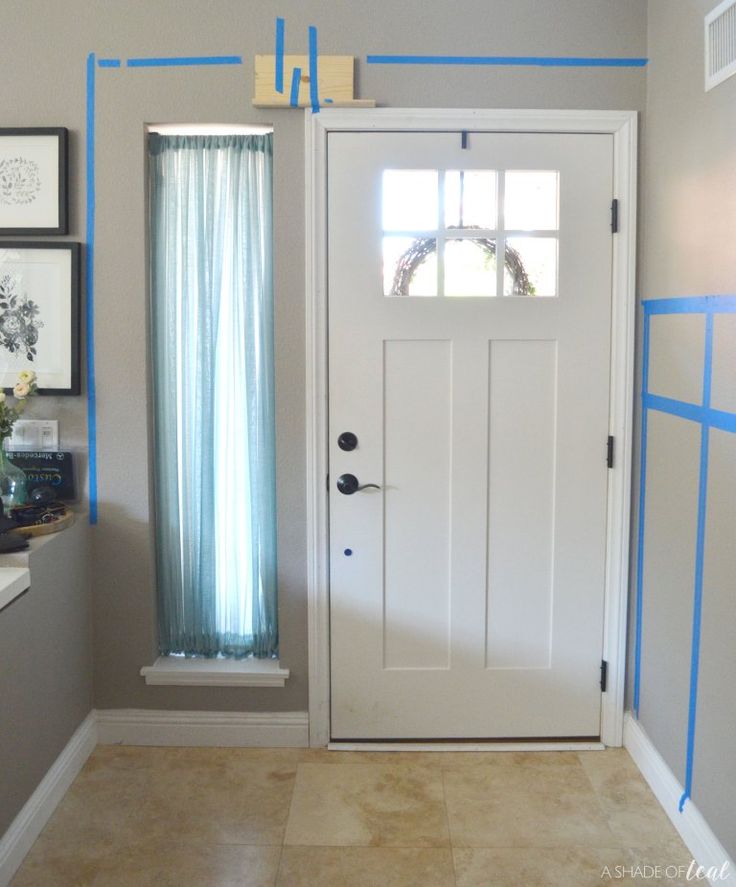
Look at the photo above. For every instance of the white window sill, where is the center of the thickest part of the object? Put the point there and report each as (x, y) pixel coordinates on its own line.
(177, 671)
(13, 582)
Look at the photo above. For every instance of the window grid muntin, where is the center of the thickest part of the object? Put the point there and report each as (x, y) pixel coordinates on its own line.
(442, 233)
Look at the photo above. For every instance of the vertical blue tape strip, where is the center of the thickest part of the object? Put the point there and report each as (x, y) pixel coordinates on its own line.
(90, 290)
(699, 562)
(279, 55)
(642, 514)
(313, 81)
(296, 79)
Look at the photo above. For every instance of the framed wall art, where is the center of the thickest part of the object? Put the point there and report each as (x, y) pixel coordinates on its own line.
(33, 181)
(39, 314)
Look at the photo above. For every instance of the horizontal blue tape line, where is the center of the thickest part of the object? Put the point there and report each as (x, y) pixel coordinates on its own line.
(722, 420)
(183, 61)
(109, 63)
(517, 60)
(691, 305)
(694, 412)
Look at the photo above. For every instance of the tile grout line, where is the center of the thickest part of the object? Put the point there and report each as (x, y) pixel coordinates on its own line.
(449, 828)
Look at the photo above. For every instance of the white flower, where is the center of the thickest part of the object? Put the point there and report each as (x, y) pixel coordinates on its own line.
(21, 389)
(27, 376)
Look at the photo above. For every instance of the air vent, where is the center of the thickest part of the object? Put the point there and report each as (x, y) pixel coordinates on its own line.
(720, 44)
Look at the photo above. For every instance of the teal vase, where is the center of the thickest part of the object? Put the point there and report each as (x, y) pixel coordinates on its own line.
(12, 483)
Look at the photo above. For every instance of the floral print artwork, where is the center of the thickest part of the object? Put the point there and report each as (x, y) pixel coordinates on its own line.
(19, 323)
(20, 181)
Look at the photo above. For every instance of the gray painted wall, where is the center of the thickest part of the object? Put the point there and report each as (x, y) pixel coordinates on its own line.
(45, 665)
(689, 218)
(689, 181)
(45, 48)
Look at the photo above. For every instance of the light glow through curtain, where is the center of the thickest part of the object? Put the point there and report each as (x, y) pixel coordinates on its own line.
(213, 399)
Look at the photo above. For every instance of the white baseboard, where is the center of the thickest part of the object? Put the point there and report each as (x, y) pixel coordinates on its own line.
(36, 812)
(288, 729)
(697, 835)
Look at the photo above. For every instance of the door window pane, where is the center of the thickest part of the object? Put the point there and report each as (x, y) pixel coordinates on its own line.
(470, 267)
(530, 266)
(470, 198)
(531, 200)
(409, 266)
(410, 200)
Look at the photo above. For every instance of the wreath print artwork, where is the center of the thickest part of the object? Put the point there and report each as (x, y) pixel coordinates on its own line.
(20, 181)
(19, 323)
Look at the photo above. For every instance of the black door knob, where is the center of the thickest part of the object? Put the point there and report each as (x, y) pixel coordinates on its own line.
(347, 441)
(348, 484)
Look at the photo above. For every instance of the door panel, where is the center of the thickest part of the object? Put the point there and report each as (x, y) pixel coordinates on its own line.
(417, 481)
(467, 593)
(521, 500)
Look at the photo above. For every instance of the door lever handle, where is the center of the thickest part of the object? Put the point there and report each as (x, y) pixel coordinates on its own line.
(348, 484)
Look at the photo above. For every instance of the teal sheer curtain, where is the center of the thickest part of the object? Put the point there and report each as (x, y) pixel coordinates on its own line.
(213, 399)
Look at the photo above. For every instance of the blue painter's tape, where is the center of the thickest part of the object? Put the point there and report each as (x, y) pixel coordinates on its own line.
(691, 305)
(693, 412)
(90, 291)
(513, 60)
(699, 562)
(109, 63)
(296, 79)
(722, 420)
(185, 61)
(313, 78)
(279, 77)
(708, 418)
(642, 514)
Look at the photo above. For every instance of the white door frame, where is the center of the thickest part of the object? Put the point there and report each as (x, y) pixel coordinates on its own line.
(622, 125)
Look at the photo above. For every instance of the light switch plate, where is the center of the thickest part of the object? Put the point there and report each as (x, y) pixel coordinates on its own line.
(35, 434)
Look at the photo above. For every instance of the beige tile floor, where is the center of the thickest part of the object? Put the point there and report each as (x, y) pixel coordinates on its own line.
(309, 818)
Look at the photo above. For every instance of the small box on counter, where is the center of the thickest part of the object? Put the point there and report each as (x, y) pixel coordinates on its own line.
(47, 468)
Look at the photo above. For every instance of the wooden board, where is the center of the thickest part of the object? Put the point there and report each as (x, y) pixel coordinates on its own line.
(334, 76)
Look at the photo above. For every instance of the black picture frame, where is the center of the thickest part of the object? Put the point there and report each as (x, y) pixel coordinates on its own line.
(69, 327)
(24, 134)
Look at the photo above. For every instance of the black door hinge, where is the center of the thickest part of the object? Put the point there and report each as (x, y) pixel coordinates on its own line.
(609, 451)
(604, 675)
(464, 140)
(327, 483)
(614, 216)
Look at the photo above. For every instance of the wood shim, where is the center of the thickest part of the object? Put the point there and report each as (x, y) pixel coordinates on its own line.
(335, 78)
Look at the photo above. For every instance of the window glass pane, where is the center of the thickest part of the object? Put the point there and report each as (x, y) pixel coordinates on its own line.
(410, 199)
(531, 200)
(531, 266)
(409, 266)
(470, 199)
(470, 267)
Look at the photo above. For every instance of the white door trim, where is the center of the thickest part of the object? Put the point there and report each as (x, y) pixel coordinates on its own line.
(622, 125)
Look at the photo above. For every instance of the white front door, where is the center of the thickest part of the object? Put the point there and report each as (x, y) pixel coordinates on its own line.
(466, 592)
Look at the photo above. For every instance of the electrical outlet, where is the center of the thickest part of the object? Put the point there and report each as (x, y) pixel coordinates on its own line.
(35, 434)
